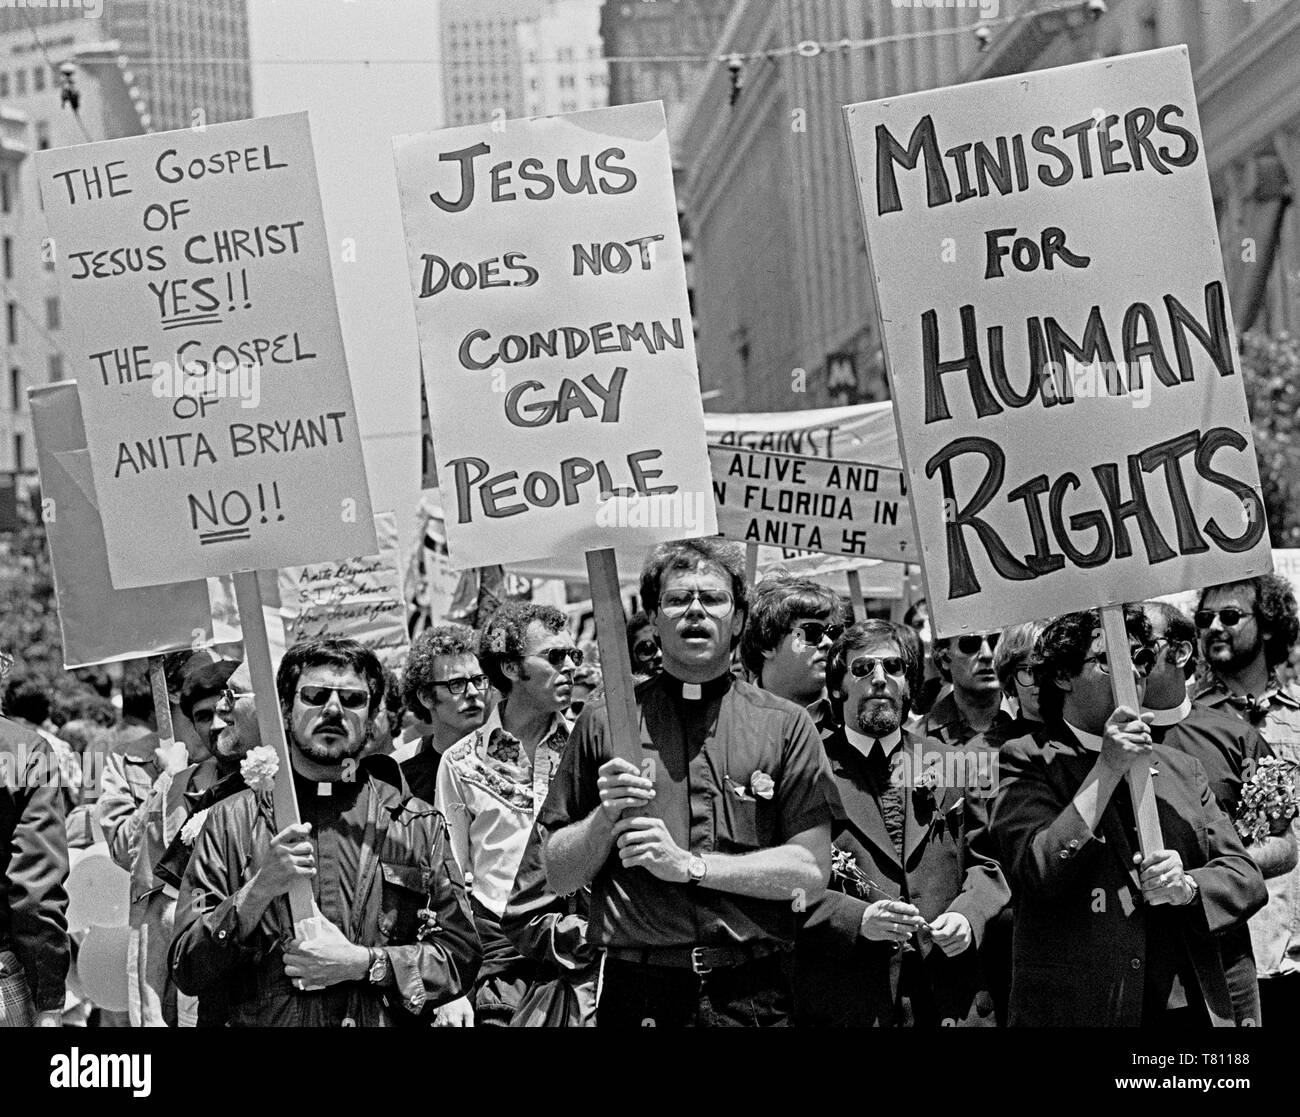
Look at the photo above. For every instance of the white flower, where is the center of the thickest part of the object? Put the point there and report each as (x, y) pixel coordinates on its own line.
(259, 767)
(762, 785)
(190, 831)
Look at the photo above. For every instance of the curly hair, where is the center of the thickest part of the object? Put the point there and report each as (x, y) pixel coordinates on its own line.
(777, 603)
(1178, 628)
(1064, 645)
(1275, 606)
(1013, 650)
(506, 634)
(868, 632)
(442, 639)
(690, 555)
(331, 651)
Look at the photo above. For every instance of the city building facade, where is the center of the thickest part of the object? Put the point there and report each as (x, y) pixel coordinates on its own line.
(563, 66)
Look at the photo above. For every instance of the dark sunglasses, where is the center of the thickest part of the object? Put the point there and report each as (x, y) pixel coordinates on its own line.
(716, 603)
(349, 698)
(865, 665)
(1228, 617)
(645, 649)
(556, 656)
(1143, 660)
(457, 686)
(814, 632)
(972, 642)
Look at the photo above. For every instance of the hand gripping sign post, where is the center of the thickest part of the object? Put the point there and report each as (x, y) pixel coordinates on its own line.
(219, 417)
(1064, 370)
(555, 337)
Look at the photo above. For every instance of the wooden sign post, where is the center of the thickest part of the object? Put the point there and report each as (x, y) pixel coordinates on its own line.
(616, 664)
(855, 596)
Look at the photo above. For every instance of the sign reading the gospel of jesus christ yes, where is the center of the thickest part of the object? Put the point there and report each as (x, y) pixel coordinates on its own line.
(1056, 328)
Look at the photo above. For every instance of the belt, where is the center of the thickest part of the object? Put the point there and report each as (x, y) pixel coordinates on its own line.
(698, 959)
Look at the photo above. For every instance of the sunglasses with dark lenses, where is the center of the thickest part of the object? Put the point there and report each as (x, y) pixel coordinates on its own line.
(1227, 617)
(349, 698)
(1143, 660)
(972, 642)
(556, 656)
(814, 632)
(645, 649)
(716, 603)
(457, 686)
(865, 665)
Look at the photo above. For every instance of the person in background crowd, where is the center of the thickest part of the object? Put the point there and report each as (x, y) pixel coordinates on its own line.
(1104, 935)
(643, 648)
(896, 939)
(1229, 750)
(1247, 632)
(792, 624)
(395, 935)
(34, 945)
(586, 684)
(387, 728)
(90, 744)
(27, 703)
(972, 704)
(917, 618)
(694, 864)
(491, 784)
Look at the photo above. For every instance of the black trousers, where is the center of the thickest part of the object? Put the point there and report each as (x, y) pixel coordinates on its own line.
(1279, 1001)
(754, 995)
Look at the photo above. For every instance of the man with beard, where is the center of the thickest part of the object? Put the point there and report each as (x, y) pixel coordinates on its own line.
(491, 785)
(647, 656)
(976, 697)
(1105, 935)
(792, 624)
(694, 859)
(1229, 750)
(1247, 632)
(394, 934)
(895, 939)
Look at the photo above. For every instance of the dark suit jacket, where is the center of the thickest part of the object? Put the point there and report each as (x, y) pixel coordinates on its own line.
(1079, 954)
(843, 979)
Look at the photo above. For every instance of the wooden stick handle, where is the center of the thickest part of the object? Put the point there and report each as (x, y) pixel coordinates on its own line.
(615, 663)
(855, 595)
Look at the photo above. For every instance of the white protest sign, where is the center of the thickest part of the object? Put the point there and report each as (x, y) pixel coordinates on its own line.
(205, 338)
(360, 598)
(555, 334)
(812, 504)
(1059, 344)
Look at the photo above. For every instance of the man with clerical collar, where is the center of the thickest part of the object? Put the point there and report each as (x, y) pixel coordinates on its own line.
(1103, 934)
(394, 936)
(698, 864)
(976, 697)
(792, 624)
(1230, 751)
(1247, 632)
(894, 941)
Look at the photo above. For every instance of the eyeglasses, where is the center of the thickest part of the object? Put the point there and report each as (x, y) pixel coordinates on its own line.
(556, 656)
(814, 632)
(972, 642)
(230, 695)
(1143, 660)
(461, 683)
(645, 649)
(865, 665)
(1228, 617)
(1026, 675)
(349, 698)
(716, 603)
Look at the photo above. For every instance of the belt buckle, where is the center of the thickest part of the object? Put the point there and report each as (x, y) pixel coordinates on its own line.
(698, 965)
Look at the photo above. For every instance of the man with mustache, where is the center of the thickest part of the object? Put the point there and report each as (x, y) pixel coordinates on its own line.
(895, 940)
(973, 703)
(492, 783)
(792, 624)
(697, 859)
(394, 934)
(1247, 632)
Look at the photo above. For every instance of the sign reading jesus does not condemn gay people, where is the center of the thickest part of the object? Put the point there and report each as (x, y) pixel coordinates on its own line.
(555, 334)
(218, 412)
(1056, 327)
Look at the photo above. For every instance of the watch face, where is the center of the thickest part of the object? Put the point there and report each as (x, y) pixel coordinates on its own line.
(697, 868)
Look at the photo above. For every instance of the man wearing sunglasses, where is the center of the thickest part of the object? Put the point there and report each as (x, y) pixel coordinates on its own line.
(976, 697)
(492, 783)
(395, 936)
(647, 657)
(894, 941)
(792, 624)
(1247, 632)
(697, 859)
(1105, 936)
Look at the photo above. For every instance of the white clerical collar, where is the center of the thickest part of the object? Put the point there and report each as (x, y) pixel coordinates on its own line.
(865, 744)
(1089, 741)
(1171, 717)
(692, 691)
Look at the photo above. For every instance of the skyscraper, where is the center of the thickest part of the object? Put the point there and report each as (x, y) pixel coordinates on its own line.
(482, 67)
(563, 64)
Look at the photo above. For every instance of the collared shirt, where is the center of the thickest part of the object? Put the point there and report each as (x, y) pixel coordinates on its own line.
(1275, 931)
(1165, 718)
(735, 770)
(490, 794)
(867, 745)
(947, 723)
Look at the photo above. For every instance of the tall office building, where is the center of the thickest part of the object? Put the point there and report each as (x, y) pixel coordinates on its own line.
(563, 64)
(482, 66)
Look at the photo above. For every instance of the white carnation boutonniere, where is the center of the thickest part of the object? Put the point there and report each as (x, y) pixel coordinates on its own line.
(259, 767)
(762, 785)
(190, 831)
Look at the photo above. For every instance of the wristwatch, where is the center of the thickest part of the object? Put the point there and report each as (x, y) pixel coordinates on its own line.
(1196, 889)
(378, 972)
(696, 867)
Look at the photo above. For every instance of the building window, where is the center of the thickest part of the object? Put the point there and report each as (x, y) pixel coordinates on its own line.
(56, 367)
(4, 84)
(566, 81)
(53, 316)
(42, 135)
(596, 81)
(38, 78)
(20, 82)
(15, 389)
(6, 199)
(9, 257)
(11, 322)
(19, 463)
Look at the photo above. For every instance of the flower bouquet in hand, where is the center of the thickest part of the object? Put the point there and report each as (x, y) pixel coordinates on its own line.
(1268, 800)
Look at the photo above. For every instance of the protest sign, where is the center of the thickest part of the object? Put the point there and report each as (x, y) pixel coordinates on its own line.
(811, 504)
(555, 334)
(99, 624)
(210, 366)
(1061, 353)
(360, 598)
